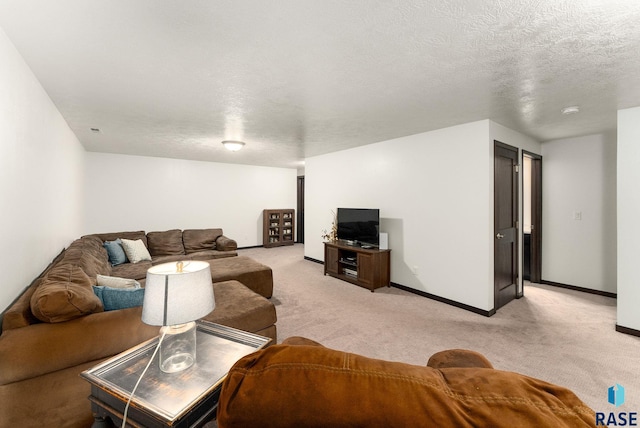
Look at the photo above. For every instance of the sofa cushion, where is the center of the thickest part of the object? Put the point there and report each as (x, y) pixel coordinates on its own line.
(136, 250)
(93, 246)
(88, 254)
(85, 261)
(65, 293)
(241, 308)
(119, 298)
(224, 243)
(166, 243)
(137, 271)
(44, 348)
(293, 386)
(53, 399)
(112, 236)
(19, 314)
(116, 253)
(211, 254)
(458, 358)
(254, 275)
(158, 260)
(116, 282)
(200, 239)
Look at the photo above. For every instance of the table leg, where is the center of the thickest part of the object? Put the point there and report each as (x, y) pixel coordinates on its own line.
(100, 422)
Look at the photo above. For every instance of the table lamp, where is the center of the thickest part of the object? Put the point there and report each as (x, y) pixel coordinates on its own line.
(177, 294)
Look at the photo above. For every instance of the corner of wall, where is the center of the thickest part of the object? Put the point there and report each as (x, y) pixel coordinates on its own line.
(628, 212)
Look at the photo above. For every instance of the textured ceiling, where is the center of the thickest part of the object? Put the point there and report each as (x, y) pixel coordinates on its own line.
(297, 78)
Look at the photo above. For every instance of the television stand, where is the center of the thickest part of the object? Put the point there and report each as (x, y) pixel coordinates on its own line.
(366, 267)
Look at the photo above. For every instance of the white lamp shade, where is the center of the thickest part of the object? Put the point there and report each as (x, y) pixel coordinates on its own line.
(172, 297)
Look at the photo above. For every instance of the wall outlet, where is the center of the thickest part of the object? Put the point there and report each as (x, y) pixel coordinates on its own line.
(577, 215)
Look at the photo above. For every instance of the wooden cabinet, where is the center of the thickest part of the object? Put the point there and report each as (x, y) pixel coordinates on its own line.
(368, 268)
(278, 227)
(331, 260)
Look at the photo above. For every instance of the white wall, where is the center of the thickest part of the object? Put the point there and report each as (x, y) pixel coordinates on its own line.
(628, 175)
(154, 194)
(434, 194)
(41, 166)
(513, 138)
(579, 177)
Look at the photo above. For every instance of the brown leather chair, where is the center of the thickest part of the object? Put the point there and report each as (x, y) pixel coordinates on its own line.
(300, 383)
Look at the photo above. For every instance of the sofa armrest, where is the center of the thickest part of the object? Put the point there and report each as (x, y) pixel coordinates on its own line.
(37, 349)
(226, 244)
(458, 358)
(316, 386)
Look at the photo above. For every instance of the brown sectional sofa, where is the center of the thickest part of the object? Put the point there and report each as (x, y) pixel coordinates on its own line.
(57, 328)
(173, 245)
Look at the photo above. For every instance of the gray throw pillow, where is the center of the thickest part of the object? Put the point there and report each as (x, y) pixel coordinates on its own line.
(116, 253)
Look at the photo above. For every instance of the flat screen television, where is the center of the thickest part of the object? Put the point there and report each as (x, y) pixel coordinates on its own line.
(360, 226)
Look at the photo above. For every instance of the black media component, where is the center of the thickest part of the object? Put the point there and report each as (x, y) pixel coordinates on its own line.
(359, 226)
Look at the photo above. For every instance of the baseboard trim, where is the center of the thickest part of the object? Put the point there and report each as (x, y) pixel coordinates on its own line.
(627, 330)
(258, 246)
(576, 288)
(314, 260)
(429, 296)
(444, 300)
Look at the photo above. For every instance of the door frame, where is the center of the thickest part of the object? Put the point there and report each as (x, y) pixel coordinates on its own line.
(515, 186)
(300, 210)
(535, 270)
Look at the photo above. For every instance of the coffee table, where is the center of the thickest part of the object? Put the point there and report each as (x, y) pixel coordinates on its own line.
(185, 399)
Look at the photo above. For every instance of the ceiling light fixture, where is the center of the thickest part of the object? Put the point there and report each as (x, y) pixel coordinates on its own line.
(233, 146)
(570, 110)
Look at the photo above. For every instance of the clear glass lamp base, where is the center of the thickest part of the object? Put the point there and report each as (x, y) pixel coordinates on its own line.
(178, 349)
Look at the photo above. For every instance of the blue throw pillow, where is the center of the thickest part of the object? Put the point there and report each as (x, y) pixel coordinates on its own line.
(116, 253)
(119, 298)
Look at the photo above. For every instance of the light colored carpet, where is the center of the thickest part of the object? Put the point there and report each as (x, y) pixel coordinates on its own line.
(562, 336)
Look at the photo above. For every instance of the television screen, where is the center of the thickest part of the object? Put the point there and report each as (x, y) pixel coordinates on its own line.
(360, 225)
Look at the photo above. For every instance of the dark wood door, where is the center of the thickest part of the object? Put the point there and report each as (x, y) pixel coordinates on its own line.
(505, 222)
(536, 219)
(300, 231)
(366, 268)
(331, 256)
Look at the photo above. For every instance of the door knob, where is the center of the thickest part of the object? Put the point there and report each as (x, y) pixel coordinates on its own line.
(499, 236)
